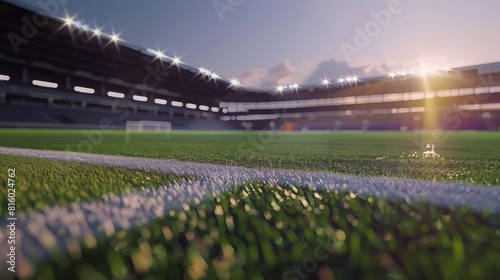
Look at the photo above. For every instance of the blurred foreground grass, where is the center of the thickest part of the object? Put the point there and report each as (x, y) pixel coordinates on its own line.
(262, 231)
(42, 182)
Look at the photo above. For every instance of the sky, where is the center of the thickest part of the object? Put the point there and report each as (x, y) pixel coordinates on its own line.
(268, 43)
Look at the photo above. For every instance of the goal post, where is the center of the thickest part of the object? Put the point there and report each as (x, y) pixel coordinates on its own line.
(162, 128)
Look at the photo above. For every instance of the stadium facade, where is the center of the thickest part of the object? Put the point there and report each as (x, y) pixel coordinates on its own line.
(60, 73)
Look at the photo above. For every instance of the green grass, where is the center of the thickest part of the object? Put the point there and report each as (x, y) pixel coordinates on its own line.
(42, 182)
(261, 231)
(468, 157)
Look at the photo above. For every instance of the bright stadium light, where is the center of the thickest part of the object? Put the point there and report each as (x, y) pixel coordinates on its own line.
(340, 81)
(214, 76)
(4, 78)
(176, 103)
(160, 54)
(97, 32)
(347, 80)
(69, 20)
(157, 53)
(191, 106)
(235, 83)
(160, 101)
(445, 70)
(279, 89)
(83, 26)
(352, 79)
(84, 89)
(115, 94)
(325, 83)
(203, 71)
(176, 61)
(46, 84)
(115, 38)
(140, 98)
(294, 86)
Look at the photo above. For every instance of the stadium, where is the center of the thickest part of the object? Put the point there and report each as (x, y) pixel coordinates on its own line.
(123, 162)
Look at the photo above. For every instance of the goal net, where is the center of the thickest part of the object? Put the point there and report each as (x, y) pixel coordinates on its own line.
(149, 129)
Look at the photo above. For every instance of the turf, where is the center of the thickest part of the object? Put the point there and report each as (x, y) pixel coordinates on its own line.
(466, 157)
(40, 183)
(266, 231)
(262, 231)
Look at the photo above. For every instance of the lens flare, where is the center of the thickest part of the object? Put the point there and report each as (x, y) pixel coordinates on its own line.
(325, 83)
(176, 61)
(235, 83)
(115, 38)
(69, 20)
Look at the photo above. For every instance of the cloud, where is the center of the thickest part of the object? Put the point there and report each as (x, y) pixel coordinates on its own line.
(334, 68)
(280, 73)
(284, 73)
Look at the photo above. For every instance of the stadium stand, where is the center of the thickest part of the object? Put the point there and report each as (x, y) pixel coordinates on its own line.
(64, 73)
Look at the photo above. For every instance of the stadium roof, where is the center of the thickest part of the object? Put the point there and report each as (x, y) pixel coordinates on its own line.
(68, 45)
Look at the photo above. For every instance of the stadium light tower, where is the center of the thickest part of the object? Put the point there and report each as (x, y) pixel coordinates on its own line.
(176, 61)
(97, 32)
(392, 75)
(214, 76)
(295, 87)
(68, 20)
(234, 83)
(115, 38)
(340, 81)
(203, 71)
(160, 54)
(325, 83)
(279, 89)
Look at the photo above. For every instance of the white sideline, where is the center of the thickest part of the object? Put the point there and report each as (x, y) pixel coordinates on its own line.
(57, 227)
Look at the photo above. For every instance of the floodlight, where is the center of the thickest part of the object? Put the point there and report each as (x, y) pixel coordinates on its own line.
(203, 71)
(325, 82)
(68, 20)
(235, 83)
(214, 76)
(279, 89)
(115, 38)
(159, 54)
(176, 61)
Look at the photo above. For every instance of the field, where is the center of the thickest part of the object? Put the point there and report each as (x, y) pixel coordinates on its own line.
(468, 157)
(261, 229)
